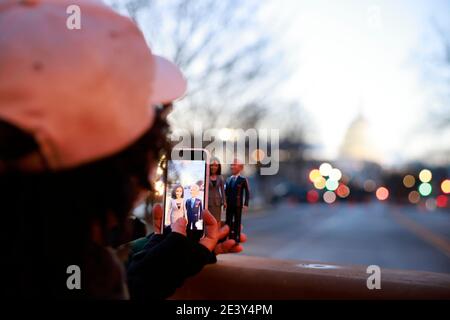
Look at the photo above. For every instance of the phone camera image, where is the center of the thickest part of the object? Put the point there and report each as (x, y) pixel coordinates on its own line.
(185, 193)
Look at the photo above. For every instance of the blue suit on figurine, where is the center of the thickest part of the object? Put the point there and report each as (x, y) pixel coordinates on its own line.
(194, 209)
(237, 191)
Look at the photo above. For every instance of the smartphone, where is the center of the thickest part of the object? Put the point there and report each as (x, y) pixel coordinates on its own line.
(186, 190)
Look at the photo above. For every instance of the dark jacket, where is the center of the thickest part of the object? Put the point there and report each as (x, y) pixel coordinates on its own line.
(237, 193)
(163, 264)
(194, 211)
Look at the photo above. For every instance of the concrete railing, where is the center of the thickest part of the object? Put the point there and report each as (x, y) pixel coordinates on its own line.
(245, 277)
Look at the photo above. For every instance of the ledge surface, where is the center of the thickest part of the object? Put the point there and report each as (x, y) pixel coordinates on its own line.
(246, 277)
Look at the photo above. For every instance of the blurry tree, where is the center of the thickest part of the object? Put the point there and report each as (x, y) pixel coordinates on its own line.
(437, 77)
(439, 72)
(232, 61)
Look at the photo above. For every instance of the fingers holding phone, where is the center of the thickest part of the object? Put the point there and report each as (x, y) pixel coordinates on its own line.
(229, 245)
(179, 226)
(212, 233)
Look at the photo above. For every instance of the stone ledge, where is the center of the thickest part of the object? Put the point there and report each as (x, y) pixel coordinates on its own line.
(245, 277)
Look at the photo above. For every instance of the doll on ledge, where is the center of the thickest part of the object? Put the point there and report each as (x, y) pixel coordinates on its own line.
(237, 192)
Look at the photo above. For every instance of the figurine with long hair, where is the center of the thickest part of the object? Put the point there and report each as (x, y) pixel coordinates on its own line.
(216, 191)
(177, 208)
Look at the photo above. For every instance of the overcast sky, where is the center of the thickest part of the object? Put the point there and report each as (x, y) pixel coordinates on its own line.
(346, 57)
(365, 56)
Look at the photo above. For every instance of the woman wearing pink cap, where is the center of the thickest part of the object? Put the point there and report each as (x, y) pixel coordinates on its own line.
(78, 140)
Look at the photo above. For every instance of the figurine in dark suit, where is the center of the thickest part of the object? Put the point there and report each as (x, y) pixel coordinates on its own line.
(237, 192)
(194, 209)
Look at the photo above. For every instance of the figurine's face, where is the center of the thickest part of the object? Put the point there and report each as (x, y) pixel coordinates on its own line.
(236, 168)
(179, 192)
(194, 190)
(214, 167)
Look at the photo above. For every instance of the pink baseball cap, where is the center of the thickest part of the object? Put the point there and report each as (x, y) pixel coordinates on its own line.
(83, 94)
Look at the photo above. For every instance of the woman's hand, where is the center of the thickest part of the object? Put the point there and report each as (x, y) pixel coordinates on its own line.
(179, 226)
(230, 246)
(213, 234)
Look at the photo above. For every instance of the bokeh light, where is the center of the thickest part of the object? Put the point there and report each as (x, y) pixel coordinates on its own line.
(320, 183)
(335, 174)
(343, 191)
(382, 193)
(409, 181)
(331, 185)
(312, 196)
(314, 175)
(445, 186)
(442, 201)
(414, 197)
(425, 189)
(325, 169)
(370, 185)
(258, 155)
(159, 187)
(329, 197)
(425, 175)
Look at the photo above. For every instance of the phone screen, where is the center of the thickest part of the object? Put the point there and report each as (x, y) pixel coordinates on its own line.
(185, 193)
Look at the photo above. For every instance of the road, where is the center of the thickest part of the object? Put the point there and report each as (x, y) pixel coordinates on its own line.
(396, 237)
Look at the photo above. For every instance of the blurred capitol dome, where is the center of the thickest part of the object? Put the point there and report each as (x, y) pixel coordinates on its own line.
(358, 144)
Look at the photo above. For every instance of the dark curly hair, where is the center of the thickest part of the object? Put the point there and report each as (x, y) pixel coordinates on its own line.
(47, 216)
(174, 191)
